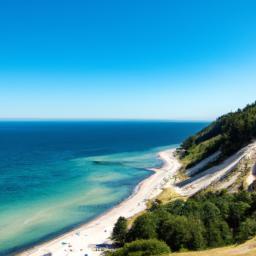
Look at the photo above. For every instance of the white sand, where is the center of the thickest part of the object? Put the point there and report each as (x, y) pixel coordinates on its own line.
(82, 240)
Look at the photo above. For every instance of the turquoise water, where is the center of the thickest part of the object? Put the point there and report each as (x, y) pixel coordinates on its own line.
(57, 175)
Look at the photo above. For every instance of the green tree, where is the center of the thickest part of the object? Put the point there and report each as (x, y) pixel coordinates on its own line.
(191, 209)
(197, 237)
(175, 207)
(144, 227)
(175, 232)
(120, 231)
(213, 235)
(204, 220)
(226, 233)
(237, 214)
(247, 230)
(143, 248)
(227, 134)
(210, 213)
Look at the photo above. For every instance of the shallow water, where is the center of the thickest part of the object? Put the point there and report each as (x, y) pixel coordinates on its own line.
(56, 175)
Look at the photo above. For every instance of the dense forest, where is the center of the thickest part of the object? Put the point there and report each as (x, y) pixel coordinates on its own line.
(206, 220)
(228, 134)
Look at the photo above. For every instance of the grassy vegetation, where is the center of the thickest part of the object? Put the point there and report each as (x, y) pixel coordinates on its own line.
(228, 134)
(245, 249)
(143, 248)
(167, 195)
(198, 152)
(131, 220)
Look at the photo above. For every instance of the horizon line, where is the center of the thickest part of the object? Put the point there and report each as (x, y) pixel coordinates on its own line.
(101, 119)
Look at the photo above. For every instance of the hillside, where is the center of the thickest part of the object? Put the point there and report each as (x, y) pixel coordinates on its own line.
(227, 134)
(235, 173)
(210, 201)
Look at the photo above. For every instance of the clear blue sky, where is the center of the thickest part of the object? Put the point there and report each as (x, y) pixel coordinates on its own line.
(128, 59)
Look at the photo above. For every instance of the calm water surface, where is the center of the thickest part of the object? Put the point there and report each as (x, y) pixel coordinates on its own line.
(56, 175)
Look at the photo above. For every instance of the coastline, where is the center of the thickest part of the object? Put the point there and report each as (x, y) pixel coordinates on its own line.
(82, 240)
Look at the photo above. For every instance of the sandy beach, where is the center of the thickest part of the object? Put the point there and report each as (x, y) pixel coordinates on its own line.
(83, 240)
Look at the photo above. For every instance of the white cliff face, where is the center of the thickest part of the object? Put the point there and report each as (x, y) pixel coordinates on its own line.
(205, 178)
(252, 175)
(197, 168)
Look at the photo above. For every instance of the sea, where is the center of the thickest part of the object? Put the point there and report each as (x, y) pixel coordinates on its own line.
(57, 175)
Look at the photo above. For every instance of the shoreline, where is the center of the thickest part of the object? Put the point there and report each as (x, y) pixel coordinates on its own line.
(82, 240)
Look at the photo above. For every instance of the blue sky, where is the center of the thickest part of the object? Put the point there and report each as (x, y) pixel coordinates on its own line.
(129, 59)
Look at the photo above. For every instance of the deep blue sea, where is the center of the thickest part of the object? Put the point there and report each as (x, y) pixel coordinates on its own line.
(56, 175)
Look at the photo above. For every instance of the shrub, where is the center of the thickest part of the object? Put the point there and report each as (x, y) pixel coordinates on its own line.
(144, 227)
(237, 214)
(143, 248)
(247, 230)
(175, 232)
(120, 231)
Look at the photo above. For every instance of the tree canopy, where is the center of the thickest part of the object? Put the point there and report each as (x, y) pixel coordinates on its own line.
(206, 220)
(228, 134)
